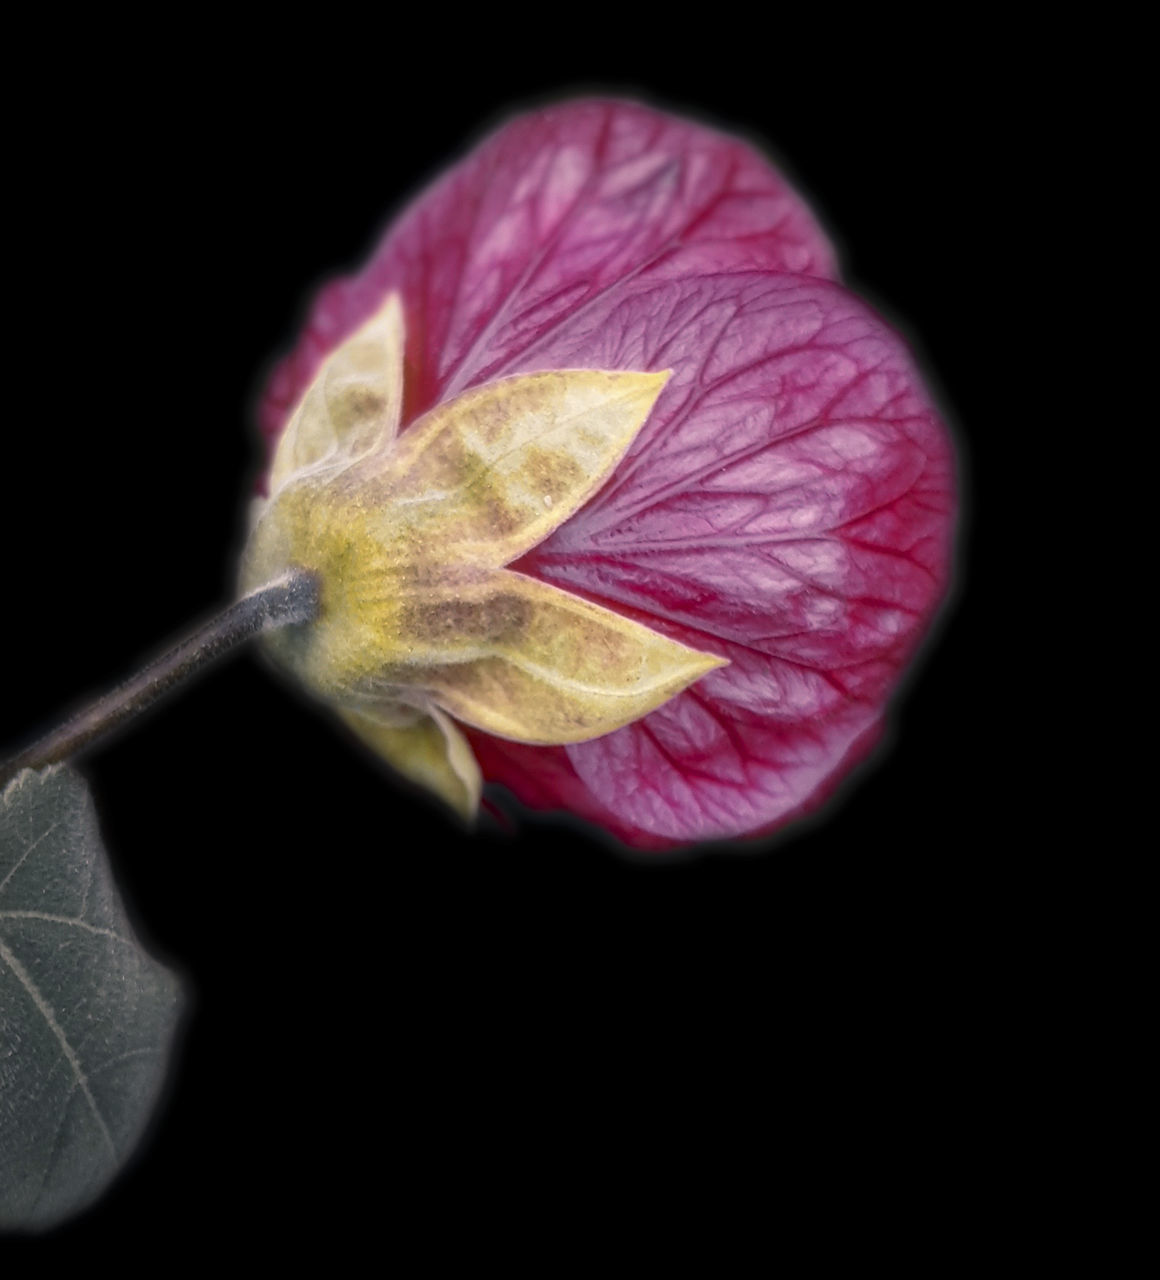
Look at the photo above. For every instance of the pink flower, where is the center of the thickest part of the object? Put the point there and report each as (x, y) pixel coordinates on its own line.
(788, 504)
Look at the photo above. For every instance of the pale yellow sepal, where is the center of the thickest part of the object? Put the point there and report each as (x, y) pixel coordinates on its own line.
(491, 473)
(426, 749)
(408, 535)
(525, 660)
(354, 403)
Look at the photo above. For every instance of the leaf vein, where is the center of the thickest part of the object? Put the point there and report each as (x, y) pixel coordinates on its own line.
(20, 862)
(49, 918)
(45, 1011)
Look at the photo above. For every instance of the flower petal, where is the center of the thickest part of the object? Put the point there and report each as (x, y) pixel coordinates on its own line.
(790, 503)
(542, 219)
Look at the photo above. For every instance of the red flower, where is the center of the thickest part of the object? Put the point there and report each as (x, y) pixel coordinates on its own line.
(788, 504)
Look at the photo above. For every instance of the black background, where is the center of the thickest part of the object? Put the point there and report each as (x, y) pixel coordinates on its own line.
(369, 984)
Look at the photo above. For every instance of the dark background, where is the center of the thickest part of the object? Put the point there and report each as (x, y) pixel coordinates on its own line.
(367, 982)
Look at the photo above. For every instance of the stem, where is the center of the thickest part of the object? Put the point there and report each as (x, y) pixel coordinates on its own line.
(292, 599)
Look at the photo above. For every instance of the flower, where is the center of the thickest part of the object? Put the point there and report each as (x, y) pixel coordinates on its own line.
(783, 507)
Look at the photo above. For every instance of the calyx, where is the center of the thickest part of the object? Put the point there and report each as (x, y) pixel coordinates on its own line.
(408, 534)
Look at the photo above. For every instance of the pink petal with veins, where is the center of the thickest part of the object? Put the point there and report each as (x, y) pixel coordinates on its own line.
(541, 219)
(788, 506)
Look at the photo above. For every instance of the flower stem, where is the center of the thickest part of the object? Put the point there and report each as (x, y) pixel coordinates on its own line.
(292, 599)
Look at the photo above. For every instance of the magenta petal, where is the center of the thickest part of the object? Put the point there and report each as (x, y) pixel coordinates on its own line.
(788, 505)
(541, 219)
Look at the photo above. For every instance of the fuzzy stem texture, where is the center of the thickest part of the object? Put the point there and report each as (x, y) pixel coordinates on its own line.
(291, 600)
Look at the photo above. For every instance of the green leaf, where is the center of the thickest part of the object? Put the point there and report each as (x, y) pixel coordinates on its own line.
(87, 1019)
